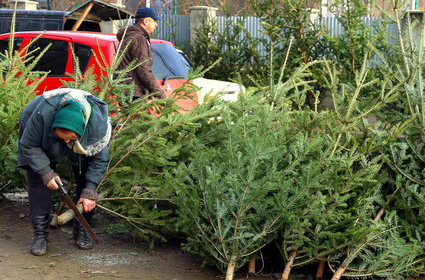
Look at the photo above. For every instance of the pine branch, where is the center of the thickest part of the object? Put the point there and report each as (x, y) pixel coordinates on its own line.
(133, 198)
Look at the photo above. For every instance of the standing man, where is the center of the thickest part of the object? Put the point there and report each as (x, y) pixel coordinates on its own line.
(135, 40)
(63, 122)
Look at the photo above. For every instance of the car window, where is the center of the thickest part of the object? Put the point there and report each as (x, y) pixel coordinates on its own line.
(185, 58)
(4, 44)
(54, 60)
(167, 62)
(84, 54)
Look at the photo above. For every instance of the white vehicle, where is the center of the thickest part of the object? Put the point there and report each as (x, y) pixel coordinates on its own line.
(208, 88)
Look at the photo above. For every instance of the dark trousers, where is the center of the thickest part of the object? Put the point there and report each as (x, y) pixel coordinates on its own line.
(40, 196)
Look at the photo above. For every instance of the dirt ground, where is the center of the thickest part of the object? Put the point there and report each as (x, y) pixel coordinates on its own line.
(114, 258)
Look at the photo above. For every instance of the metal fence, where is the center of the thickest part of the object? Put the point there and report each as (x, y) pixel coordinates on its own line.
(334, 28)
(251, 24)
(175, 28)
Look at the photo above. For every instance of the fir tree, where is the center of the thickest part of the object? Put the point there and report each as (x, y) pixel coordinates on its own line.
(17, 88)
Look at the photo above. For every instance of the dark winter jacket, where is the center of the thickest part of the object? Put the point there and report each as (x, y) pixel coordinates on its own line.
(136, 42)
(39, 147)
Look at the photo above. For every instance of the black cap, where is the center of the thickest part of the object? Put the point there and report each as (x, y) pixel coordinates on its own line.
(146, 12)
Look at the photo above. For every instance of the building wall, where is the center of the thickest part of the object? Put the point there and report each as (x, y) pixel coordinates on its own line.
(375, 6)
(4, 3)
(386, 5)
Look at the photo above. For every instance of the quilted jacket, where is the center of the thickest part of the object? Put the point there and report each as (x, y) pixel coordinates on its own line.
(38, 147)
(135, 41)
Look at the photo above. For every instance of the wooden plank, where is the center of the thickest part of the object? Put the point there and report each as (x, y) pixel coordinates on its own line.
(82, 17)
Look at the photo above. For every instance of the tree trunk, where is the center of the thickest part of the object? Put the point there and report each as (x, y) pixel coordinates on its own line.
(288, 266)
(231, 266)
(320, 270)
(251, 265)
(340, 271)
(68, 215)
(338, 274)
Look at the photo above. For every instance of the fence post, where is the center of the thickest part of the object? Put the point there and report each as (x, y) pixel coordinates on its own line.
(198, 16)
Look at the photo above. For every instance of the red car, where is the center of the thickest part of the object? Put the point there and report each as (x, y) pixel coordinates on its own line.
(170, 68)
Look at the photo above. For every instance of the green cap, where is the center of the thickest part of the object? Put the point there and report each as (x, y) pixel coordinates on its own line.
(70, 117)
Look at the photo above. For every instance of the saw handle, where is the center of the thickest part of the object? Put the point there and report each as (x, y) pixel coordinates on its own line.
(61, 189)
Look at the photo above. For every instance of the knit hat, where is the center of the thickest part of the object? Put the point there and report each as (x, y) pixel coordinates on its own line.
(70, 117)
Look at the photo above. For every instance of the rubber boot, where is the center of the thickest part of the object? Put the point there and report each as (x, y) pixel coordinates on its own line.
(40, 224)
(82, 240)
